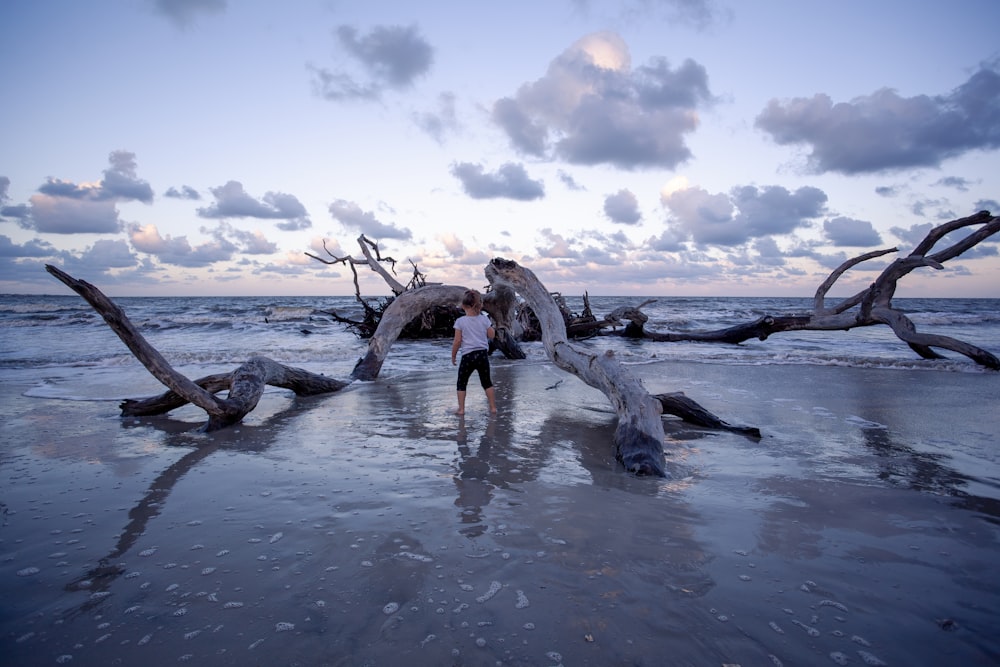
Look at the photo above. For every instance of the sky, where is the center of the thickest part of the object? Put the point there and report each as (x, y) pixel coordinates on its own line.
(634, 147)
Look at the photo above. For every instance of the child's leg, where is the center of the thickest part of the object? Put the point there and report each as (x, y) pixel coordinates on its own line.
(461, 403)
(491, 397)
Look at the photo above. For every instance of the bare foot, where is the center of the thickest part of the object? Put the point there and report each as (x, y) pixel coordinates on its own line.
(459, 412)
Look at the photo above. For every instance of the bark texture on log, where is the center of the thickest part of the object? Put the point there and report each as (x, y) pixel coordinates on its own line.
(501, 305)
(639, 434)
(408, 305)
(245, 384)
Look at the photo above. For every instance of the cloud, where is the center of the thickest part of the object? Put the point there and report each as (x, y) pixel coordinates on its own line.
(843, 231)
(184, 192)
(120, 181)
(438, 123)
(557, 246)
(350, 215)
(177, 251)
(251, 243)
(510, 181)
(392, 57)
(745, 213)
(109, 254)
(622, 207)
(232, 201)
(592, 108)
(886, 132)
(32, 248)
(699, 14)
(183, 13)
(67, 215)
(460, 254)
(987, 205)
(64, 207)
(569, 181)
(4, 189)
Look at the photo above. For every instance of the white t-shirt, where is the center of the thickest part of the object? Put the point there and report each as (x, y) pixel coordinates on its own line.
(474, 336)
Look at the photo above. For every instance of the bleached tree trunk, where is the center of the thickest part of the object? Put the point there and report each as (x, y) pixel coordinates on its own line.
(639, 435)
(245, 384)
(869, 307)
(406, 306)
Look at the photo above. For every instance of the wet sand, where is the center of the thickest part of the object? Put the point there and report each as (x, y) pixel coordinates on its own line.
(375, 527)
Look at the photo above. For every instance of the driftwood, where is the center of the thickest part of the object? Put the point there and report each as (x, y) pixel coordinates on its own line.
(412, 303)
(245, 384)
(501, 305)
(639, 435)
(869, 307)
(404, 308)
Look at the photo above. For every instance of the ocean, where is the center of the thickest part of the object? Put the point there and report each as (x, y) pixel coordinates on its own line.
(209, 334)
(373, 526)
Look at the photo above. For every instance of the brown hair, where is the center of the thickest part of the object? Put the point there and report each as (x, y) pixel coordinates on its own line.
(473, 300)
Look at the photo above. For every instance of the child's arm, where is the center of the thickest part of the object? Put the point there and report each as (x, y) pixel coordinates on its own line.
(455, 344)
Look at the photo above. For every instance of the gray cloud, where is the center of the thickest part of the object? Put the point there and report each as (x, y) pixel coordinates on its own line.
(441, 121)
(956, 182)
(120, 183)
(745, 213)
(32, 248)
(251, 243)
(392, 57)
(350, 215)
(110, 254)
(232, 201)
(591, 108)
(184, 192)
(184, 12)
(843, 231)
(987, 205)
(64, 207)
(622, 207)
(510, 181)
(569, 181)
(698, 14)
(885, 132)
(66, 215)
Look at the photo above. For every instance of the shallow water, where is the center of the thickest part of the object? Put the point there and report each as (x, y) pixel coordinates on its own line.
(374, 527)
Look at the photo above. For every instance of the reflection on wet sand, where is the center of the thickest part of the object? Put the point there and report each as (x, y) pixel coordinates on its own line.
(247, 438)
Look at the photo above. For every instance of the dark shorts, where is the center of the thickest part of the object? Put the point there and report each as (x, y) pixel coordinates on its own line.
(479, 361)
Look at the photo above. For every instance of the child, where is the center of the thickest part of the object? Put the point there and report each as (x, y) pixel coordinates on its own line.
(473, 333)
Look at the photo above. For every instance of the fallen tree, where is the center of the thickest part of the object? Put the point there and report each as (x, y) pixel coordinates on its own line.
(639, 436)
(245, 384)
(869, 307)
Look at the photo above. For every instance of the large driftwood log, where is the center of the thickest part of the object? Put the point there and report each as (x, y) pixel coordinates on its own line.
(406, 306)
(639, 433)
(245, 384)
(869, 307)
(412, 303)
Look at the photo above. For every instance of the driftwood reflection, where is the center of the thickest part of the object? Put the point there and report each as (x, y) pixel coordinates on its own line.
(901, 465)
(249, 438)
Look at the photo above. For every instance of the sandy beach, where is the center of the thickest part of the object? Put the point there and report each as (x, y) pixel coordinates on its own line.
(374, 527)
